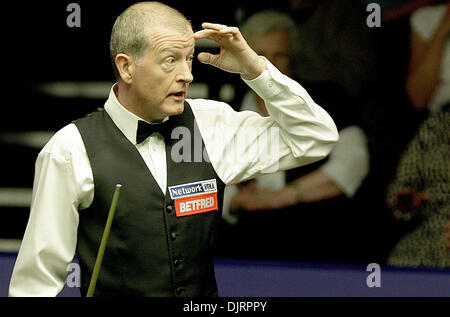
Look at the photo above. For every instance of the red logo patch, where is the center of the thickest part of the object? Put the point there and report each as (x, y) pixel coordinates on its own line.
(197, 204)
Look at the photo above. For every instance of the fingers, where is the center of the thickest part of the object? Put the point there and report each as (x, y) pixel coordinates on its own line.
(213, 26)
(231, 30)
(205, 34)
(206, 58)
(213, 29)
(224, 29)
(403, 191)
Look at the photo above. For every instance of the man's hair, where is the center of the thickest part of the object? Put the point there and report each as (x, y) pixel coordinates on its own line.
(130, 33)
(266, 21)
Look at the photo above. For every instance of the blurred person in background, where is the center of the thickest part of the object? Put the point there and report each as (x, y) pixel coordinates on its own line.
(369, 64)
(428, 81)
(419, 193)
(301, 196)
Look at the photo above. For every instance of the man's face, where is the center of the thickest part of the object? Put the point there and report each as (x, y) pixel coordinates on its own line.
(275, 46)
(161, 77)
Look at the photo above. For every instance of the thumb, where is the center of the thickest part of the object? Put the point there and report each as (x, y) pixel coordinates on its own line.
(207, 58)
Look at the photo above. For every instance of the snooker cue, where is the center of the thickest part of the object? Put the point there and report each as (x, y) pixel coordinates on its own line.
(101, 250)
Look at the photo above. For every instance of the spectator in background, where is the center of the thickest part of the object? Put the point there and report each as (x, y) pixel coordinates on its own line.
(419, 194)
(428, 81)
(337, 46)
(297, 194)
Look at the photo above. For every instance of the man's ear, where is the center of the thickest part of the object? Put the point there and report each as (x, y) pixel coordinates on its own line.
(125, 66)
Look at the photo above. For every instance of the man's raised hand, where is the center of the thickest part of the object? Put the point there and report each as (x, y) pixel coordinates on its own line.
(235, 55)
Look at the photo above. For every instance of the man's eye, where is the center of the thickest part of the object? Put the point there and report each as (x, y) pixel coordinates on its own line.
(191, 58)
(170, 60)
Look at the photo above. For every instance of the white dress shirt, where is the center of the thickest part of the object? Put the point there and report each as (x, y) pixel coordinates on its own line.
(63, 184)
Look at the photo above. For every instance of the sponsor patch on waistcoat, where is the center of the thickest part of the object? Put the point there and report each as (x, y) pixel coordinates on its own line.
(194, 198)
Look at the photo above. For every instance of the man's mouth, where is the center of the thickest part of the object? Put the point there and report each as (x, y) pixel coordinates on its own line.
(178, 94)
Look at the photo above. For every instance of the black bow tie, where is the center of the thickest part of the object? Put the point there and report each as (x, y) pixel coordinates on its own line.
(145, 129)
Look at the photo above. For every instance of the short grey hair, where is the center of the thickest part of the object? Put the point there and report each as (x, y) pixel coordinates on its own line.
(130, 31)
(266, 21)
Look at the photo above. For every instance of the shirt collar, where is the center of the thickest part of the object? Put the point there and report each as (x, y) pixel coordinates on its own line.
(125, 120)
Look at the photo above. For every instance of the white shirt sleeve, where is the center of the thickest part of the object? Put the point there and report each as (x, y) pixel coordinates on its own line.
(243, 145)
(348, 163)
(49, 242)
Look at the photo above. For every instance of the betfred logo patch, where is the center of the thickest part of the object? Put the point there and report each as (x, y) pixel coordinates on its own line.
(196, 204)
(194, 198)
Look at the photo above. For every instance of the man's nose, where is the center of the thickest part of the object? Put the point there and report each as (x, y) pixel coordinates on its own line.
(185, 73)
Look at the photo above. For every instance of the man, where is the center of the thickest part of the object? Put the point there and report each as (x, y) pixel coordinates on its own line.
(162, 237)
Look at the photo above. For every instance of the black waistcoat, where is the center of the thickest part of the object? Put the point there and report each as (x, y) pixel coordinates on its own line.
(150, 251)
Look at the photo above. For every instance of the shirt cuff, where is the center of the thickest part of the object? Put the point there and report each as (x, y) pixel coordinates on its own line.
(266, 84)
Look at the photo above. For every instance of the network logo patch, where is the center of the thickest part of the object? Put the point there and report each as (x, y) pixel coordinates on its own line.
(194, 198)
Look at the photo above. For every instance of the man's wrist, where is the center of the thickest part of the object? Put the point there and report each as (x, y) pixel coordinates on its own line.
(256, 69)
(267, 84)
